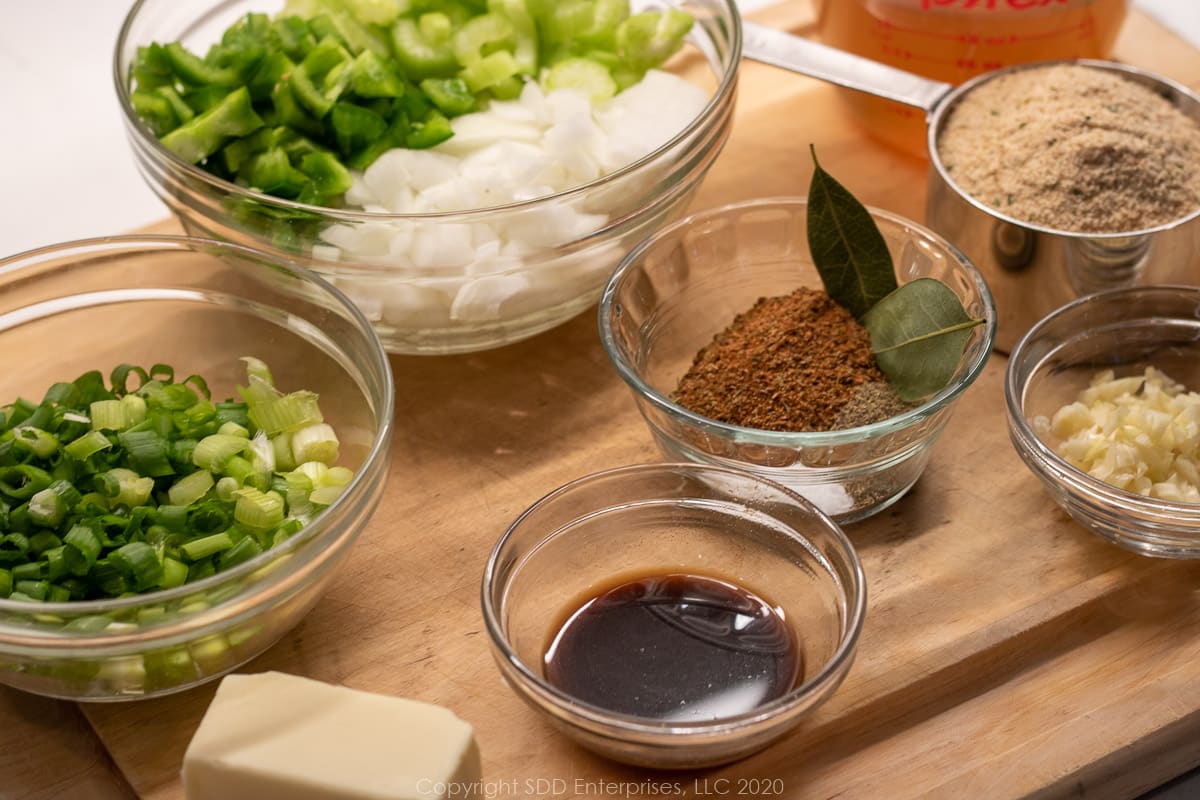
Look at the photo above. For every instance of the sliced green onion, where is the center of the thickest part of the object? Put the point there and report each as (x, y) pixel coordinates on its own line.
(109, 415)
(139, 564)
(174, 574)
(244, 550)
(30, 571)
(235, 429)
(257, 369)
(13, 547)
(245, 473)
(126, 487)
(202, 569)
(225, 489)
(87, 445)
(231, 411)
(190, 488)
(32, 590)
(257, 509)
(42, 541)
(148, 452)
(37, 441)
(89, 624)
(141, 494)
(314, 471)
(51, 505)
(210, 516)
(57, 566)
(206, 546)
(212, 452)
(315, 443)
(84, 541)
(326, 495)
(173, 518)
(22, 481)
(286, 413)
(285, 459)
(107, 577)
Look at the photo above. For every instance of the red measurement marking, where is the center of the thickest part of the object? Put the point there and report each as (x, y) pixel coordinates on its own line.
(953, 37)
(898, 52)
(990, 5)
(1054, 34)
(1087, 25)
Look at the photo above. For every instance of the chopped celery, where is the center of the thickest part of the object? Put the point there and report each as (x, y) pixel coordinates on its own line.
(375, 12)
(647, 39)
(490, 70)
(418, 57)
(482, 35)
(583, 74)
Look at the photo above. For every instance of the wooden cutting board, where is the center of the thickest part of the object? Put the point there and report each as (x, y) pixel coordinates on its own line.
(1007, 652)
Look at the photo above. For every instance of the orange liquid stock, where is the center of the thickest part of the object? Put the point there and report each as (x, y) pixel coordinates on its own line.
(954, 40)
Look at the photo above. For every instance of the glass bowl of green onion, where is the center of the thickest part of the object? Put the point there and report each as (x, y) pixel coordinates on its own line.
(468, 173)
(192, 436)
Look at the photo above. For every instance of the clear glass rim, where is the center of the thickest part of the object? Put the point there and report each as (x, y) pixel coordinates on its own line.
(1079, 483)
(794, 439)
(726, 82)
(853, 596)
(319, 527)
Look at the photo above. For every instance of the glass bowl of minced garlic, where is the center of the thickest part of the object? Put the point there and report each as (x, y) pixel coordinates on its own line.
(1103, 400)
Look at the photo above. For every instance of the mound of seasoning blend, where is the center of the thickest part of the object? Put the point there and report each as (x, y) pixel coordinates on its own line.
(1074, 148)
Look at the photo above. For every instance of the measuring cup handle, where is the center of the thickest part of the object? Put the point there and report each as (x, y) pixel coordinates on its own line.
(780, 49)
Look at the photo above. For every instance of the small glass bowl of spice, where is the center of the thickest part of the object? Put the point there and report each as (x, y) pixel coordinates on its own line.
(1103, 401)
(737, 357)
(674, 615)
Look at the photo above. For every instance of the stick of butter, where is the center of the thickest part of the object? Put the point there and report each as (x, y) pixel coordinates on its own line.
(273, 735)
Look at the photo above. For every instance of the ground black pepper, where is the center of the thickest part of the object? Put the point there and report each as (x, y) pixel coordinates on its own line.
(789, 363)
(871, 402)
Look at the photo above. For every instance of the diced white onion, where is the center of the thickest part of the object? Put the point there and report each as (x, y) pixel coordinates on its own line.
(515, 150)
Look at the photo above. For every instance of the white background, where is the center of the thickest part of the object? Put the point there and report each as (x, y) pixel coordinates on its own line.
(67, 170)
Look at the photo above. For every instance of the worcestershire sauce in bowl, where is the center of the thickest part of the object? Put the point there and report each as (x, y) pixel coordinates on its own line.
(676, 648)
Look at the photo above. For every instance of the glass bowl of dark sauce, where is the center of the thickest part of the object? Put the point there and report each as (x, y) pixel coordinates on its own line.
(674, 615)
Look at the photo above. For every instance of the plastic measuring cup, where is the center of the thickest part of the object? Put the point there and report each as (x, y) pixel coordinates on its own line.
(956, 40)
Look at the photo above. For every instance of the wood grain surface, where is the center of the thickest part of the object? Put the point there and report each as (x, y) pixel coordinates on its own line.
(1007, 652)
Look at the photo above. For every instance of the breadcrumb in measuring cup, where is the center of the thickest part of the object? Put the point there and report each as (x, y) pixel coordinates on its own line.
(1138, 433)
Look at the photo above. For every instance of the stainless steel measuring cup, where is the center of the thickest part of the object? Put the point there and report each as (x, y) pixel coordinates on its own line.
(1031, 270)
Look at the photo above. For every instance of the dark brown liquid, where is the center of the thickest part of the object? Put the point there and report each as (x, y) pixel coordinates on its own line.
(674, 647)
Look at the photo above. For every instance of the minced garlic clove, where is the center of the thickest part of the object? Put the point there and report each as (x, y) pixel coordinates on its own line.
(1138, 433)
